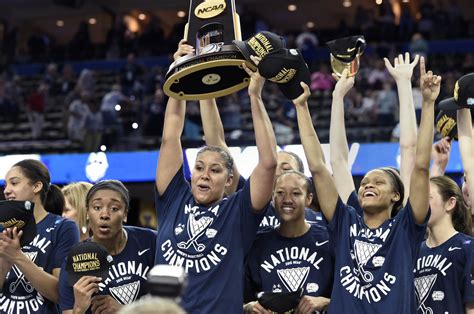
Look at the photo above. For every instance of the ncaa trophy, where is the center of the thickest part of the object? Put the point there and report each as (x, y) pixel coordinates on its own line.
(216, 68)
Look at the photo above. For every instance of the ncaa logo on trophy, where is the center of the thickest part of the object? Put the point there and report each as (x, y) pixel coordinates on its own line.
(216, 68)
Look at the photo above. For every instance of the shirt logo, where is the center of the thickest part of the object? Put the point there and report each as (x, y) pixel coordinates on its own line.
(423, 286)
(452, 248)
(140, 253)
(363, 252)
(196, 228)
(126, 294)
(293, 278)
(321, 243)
(21, 277)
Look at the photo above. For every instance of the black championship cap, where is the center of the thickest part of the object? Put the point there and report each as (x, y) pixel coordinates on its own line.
(345, 52)
(87, 259)
(463, 94)
(260, 45)
(287, 68)
(18, 214)
(280, 302)
(446, 123)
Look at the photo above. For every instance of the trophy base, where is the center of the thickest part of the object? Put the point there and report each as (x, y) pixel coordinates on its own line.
(209, 75)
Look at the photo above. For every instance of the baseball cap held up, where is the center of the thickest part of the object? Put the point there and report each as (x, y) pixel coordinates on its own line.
(345, 53)
(280, 302)
(87, 259)
(446, 123)
(287, 68)
(18, 214)
(260, 44)
(463, 94)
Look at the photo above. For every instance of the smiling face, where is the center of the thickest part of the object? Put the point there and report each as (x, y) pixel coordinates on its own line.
(209, 178)
(290, 197)
(19, 187)
(107, 212)
(376, 192)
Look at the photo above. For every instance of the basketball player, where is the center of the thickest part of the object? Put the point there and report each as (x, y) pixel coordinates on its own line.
(375, 253)
(200, 229)
(29, 274)
(132, 249)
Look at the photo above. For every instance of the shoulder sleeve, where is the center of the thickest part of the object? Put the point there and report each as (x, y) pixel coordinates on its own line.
(415, 231)
(178, 186)
(468, 295)
(353, 201)
(241, 183)
(66, 293)
(338, 222)
(250, 219)
(67, 235)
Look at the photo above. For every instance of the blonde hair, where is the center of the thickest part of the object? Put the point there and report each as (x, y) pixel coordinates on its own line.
(75, 193)
(152, 305)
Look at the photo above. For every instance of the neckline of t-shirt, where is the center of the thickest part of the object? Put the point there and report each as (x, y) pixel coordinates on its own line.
(294, 238)
(449, 240)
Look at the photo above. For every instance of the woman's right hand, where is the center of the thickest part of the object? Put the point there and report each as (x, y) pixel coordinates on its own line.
(84, 289)
(344, 84)
(183, 49)
(255, 308)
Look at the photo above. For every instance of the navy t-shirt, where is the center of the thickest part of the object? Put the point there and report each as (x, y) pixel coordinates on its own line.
(443, 276)
(210, 242)
(127, 276)
(280, 264)
(55, 236)
(374, 267)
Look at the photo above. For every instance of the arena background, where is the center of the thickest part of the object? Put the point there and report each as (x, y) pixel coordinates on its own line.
(93, 40)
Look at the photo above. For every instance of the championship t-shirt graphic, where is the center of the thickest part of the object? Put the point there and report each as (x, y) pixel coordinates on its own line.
(442, 276)
(373, 267)
(280, 264)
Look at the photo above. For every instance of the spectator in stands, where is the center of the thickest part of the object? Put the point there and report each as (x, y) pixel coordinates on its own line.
(86, 81)
(67, 80)
(78, 112)
(130, 76)
(29, 274)
(36, 107)
(81, 44)
(112, 103)
(306, 42)
(14, 99)
(192, 125)
(155, 113)
(93, 127)
(322, 81)
(418, 45)
(75, 207)
(52, 79)
(386, 104)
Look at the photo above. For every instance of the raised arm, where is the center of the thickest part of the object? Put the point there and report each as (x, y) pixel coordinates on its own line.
(339, 149)
(261, 180)
(440, 155)
(419, 185)
(324, 184)
(402, 71)
(171, 153)
(214, 134)
(466, 147)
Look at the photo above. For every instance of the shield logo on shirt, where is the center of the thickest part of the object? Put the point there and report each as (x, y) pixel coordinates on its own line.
(196, 228)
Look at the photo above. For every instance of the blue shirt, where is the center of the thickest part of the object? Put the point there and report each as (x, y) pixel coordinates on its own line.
(126, 281)
(280, 264)
(55, 236)
(210, 242)
(374, 267)
(442, 276)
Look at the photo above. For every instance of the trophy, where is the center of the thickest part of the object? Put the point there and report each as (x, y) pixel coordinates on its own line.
(345, 54)
(216, 68)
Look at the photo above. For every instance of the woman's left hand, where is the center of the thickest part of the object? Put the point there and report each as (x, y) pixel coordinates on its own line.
(309, 304)
(104, 304)
(10, 244)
